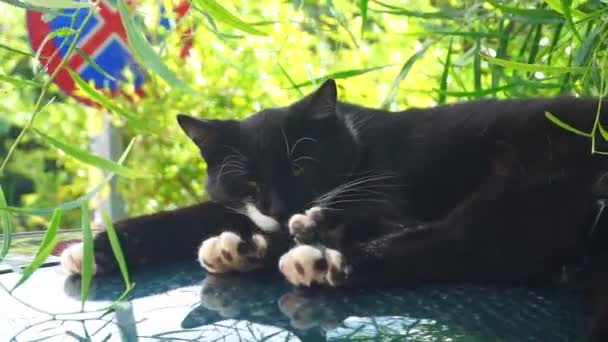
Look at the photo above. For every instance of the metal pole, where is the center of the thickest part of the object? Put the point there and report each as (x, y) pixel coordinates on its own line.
(109, 144)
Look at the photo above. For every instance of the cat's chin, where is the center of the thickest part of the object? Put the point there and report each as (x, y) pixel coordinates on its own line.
(264, 222)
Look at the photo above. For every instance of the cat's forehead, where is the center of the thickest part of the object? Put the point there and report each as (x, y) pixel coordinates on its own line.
(267, 119)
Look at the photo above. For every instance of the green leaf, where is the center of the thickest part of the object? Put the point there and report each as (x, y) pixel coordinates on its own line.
(341, 74)
(560, 7)
(88, 254)
(363, 7)
(532, 15)
(585, 50)
(505, 34)
(107, 103)
(443, 82)
(92, 63)
(535, 67)
(59, 3)
(405, 69)
(219, 13)
(17, 51)
(70, 205)
(7, 227)
(603, 132)
(18, 82)
(293, 84)
(565, 126)
(116, 249)
(567, 12)
(556, 35)
(44, 250)
(89, 158)
(447, 14)
(483, 92)
(477, 67)
(535, 44)
(145, 53)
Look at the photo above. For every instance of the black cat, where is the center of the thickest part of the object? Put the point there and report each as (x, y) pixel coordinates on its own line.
(341, 195)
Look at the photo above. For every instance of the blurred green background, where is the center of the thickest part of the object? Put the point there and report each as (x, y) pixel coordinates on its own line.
(394, 54)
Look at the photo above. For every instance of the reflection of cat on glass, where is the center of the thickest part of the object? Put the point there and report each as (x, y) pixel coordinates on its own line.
(341, 195)
(467, 312)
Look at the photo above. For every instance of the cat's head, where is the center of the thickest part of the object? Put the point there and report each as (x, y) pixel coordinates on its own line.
(274, 163)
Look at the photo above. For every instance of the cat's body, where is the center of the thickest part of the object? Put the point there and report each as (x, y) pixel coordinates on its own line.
(488, 191)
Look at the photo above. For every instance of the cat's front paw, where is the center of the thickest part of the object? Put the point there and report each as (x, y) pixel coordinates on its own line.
(229, 252)
(306, 265)
(72, 259)
(304, 227)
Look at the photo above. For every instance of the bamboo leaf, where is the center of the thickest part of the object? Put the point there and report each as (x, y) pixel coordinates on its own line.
(107, 103)
(59, 4)
(7, 227)
(88, 254)
(603, 132)
(18, 82)
(94, 64)
(116, 249)
(567, 12)
(535, 67)
(17, 51)
(483, 92)
(477, 67)
(565, 126)
(405, 69)
(340, 74)
(531, 15)
(560, 7)
(145, 53)
(447, 14)
(89, 158)
(219, 13)
(44, 250)
(443, 83)
(363, 7)
(293, 84)
(70, 205)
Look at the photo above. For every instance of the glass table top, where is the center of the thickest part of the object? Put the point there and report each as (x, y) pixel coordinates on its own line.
(179, 302)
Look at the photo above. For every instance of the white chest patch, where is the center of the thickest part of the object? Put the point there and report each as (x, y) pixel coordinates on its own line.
(264, 222)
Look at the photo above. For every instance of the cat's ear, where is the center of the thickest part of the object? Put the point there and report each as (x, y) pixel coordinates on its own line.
(321, 104)
(200, 131)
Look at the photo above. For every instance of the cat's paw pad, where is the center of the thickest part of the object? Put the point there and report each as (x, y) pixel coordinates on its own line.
(72, 259)
(306, 265)
(303, 226)
(229, 252)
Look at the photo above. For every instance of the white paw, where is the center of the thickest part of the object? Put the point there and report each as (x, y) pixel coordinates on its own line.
(72, 259)
(306, 265)
(303, 225)
(228, 252)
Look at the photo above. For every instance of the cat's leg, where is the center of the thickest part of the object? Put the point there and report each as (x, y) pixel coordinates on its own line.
(424, 252)
(498, 233)
(165, 236)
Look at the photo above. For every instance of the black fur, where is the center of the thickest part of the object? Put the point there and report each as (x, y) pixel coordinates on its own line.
(488, 191)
